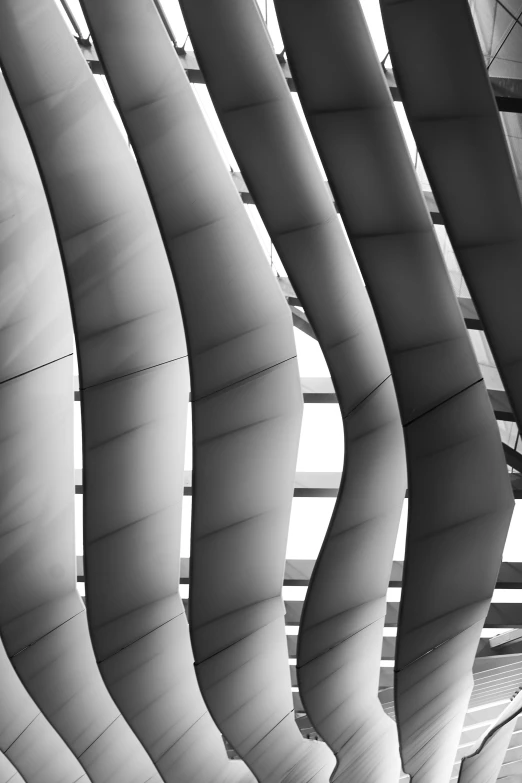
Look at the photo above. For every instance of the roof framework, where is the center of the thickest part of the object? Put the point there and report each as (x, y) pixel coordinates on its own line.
(108, 472)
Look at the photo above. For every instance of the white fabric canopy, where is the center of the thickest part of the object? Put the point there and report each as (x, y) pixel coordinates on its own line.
(246, 397)
(460, 502)
(484, 762)
(35, 334)
(339, 647)
(94, 205)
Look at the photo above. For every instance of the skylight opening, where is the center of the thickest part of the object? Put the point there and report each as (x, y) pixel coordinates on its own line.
(207, 107)
(75, 10)
(175, 19)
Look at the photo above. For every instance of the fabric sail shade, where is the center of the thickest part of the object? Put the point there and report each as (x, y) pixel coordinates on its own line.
(134, 390)
(460, 501)
(340, 638)
(245, 391)
(35, 360)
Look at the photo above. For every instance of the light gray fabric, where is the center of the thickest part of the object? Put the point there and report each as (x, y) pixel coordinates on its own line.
(483, 763)
(35, 427)
(92, 186)
(460, 502)
(340, 640)
(246, 397)
(8, 773)
(456, 124)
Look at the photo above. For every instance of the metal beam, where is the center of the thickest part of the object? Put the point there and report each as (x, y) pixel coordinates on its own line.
(321, 391)
(506, 639)
(247, 198)
(300, 321)
(308, 484)
(466, 305)
(508, 92)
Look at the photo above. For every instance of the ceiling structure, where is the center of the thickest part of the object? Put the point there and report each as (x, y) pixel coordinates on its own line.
(389, 629)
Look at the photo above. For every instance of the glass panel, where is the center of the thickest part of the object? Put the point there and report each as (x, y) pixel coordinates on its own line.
(485, 359)
(78, 456)
(505, 41)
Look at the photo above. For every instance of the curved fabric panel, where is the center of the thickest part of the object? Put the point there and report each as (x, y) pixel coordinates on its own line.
(27, 739)
(449, 102)
(143, 645)
(44, 624)
(340, 640)
(245, 391)
(35, 396)
(134, 380)
(483, 764)
(460, 502)
(8, 773)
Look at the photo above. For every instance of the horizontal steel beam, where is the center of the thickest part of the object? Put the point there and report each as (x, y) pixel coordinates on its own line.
(307, 484)
(505, 639)
(508, 92)
(298, 573)
(321, 391)
(466, 305)
(247, 198)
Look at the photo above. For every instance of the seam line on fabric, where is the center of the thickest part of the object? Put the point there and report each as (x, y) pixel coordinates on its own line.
(180, 737)
(269, 732)
(99, 735)
(34, 369)
(342, 641)
(436, 647)
(6, 751)
(243, 380)
(361, 402)
(440, 404)
(134, 372)
(242, 638)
